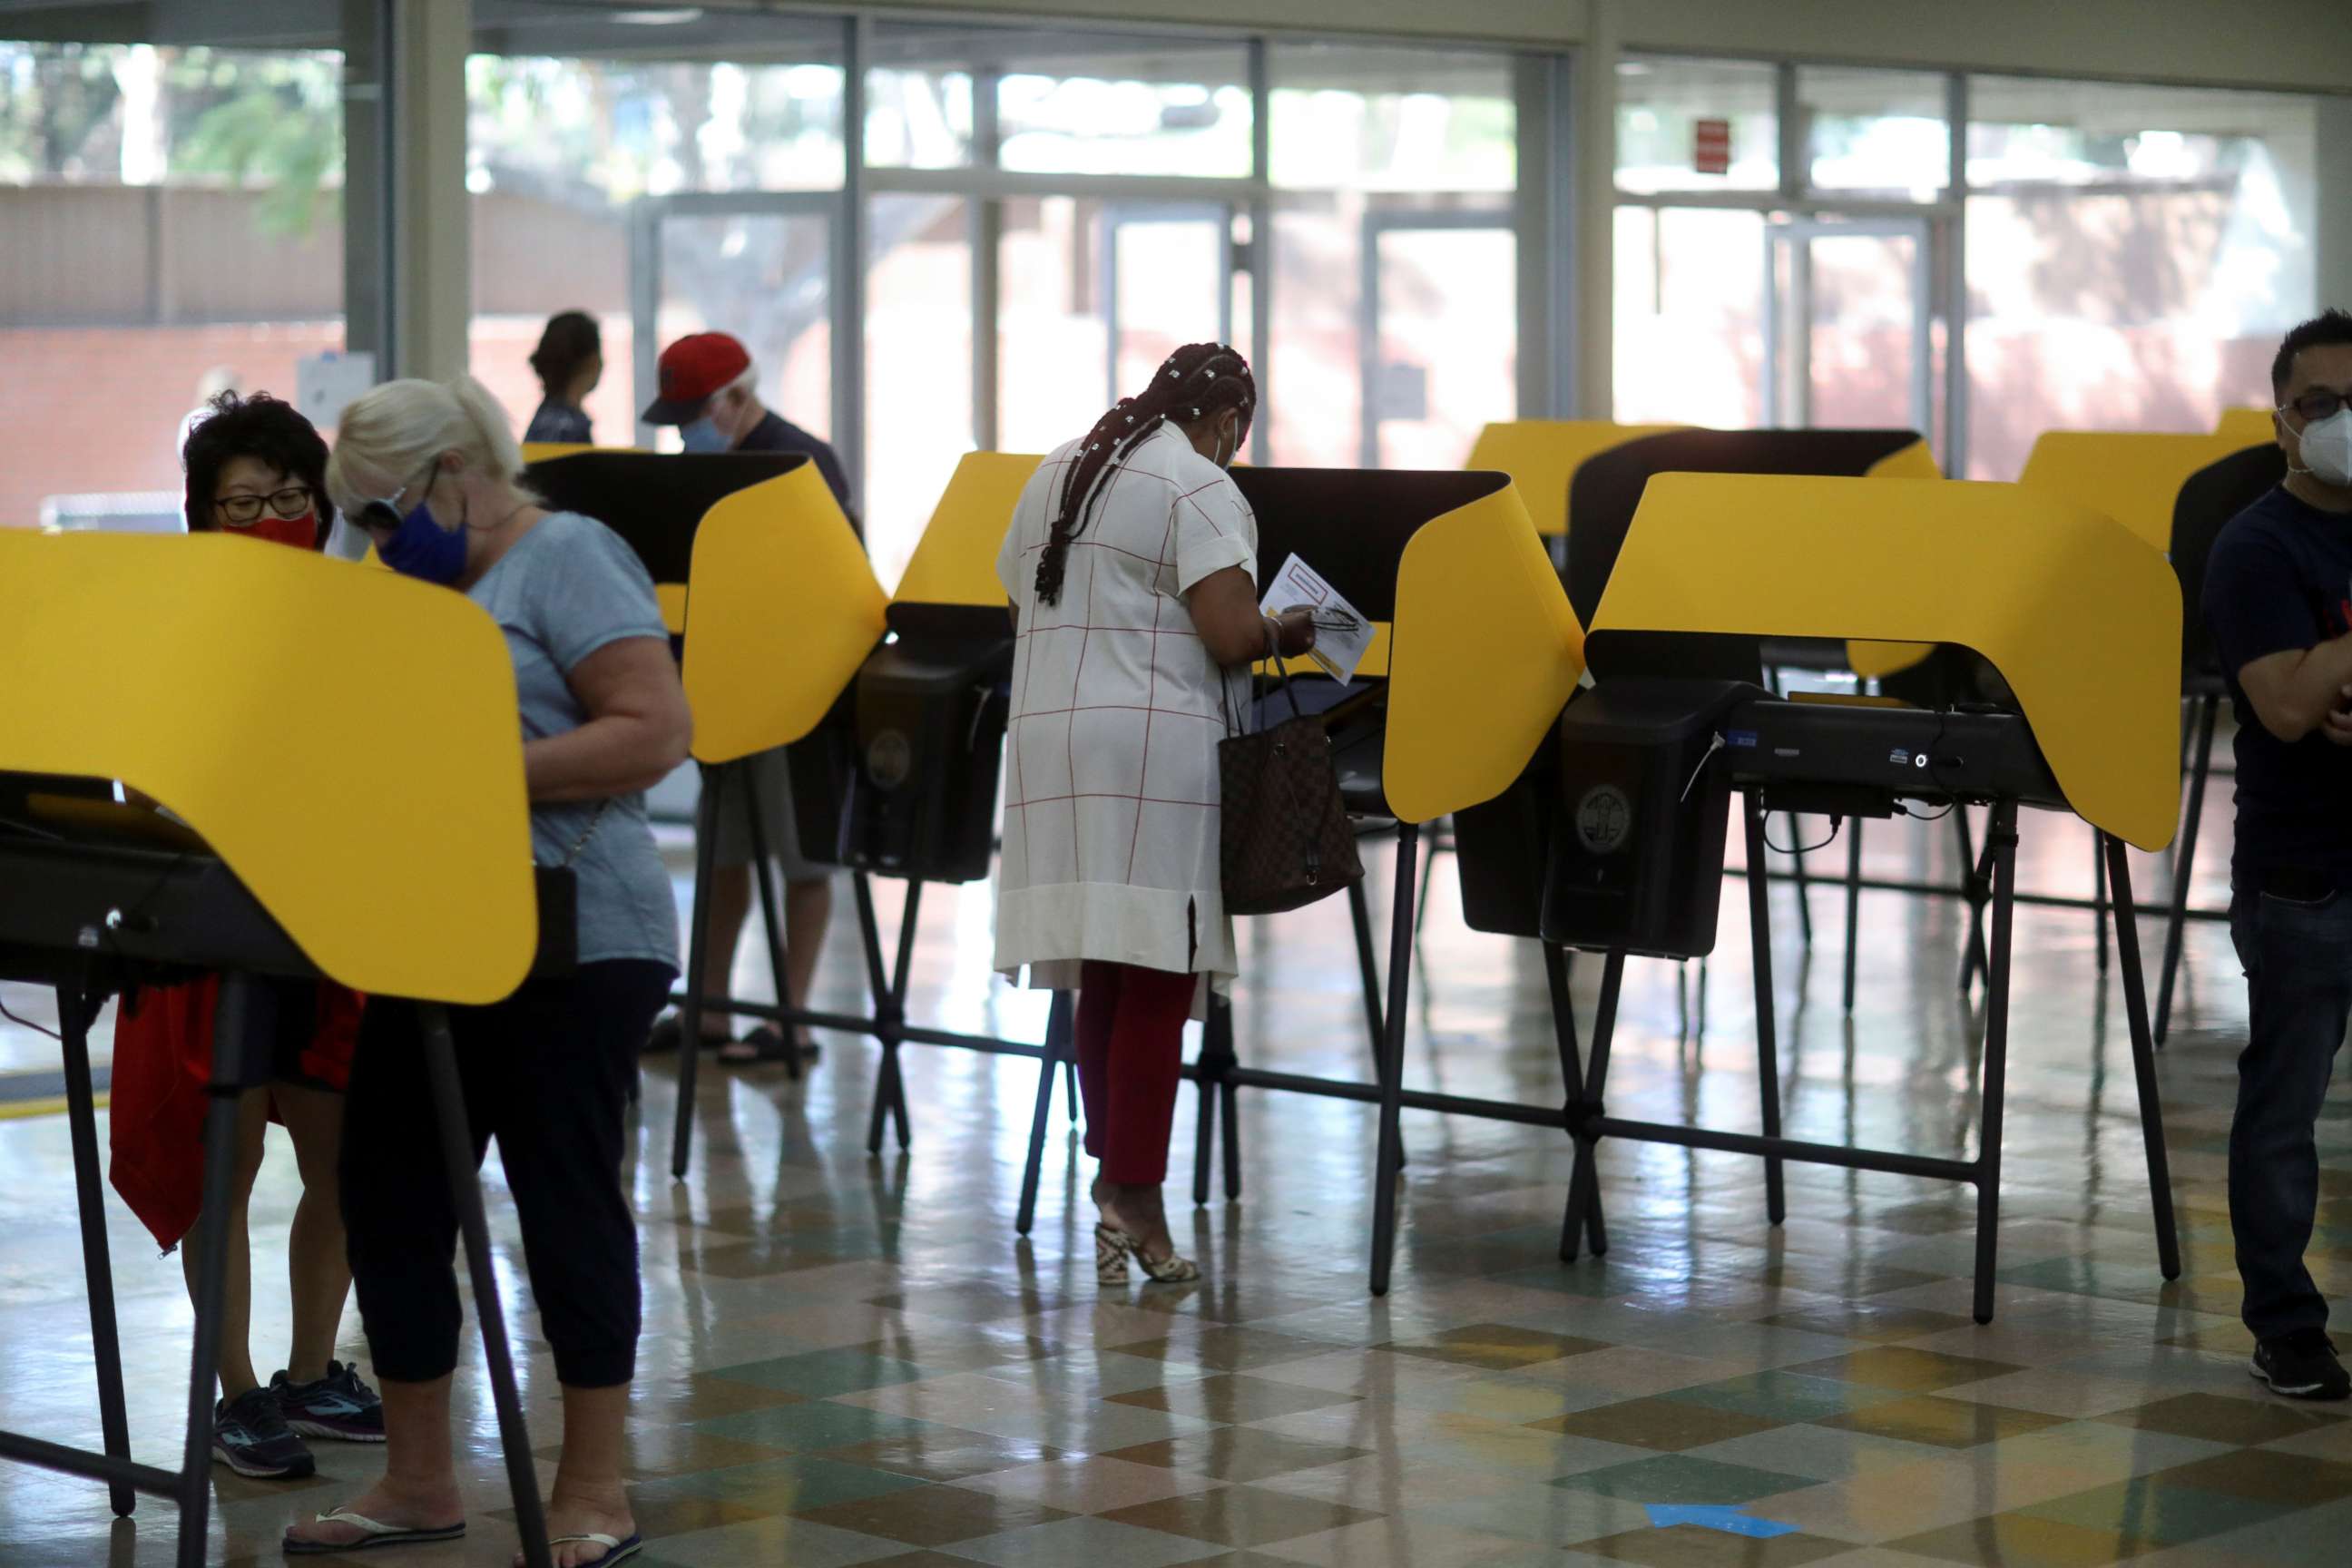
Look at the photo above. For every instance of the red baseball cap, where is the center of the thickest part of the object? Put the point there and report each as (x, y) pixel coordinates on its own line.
(692, 369)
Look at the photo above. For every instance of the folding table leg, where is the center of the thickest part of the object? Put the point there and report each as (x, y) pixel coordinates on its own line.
(1058, 1051)
(779, 959)
(2000, 843)
(689, 1012)
(1390, 1162)
(2151, 1106)
(481, 1270)
(1767, 1045)
(74, 1015)
(2184, 862)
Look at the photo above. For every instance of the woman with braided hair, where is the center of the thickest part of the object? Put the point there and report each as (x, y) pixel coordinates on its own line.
(1131, 565)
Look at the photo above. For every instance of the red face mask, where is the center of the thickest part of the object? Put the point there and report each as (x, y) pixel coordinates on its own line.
(301, 532)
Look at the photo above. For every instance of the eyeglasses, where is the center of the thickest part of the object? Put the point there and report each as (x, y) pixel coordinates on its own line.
(2319, 403)
(385, 511)
(243, 512)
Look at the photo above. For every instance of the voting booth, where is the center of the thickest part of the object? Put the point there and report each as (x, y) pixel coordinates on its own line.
(180, 665)
(1715, 565)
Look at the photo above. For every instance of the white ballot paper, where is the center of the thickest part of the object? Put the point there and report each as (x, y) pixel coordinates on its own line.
(1341, 632)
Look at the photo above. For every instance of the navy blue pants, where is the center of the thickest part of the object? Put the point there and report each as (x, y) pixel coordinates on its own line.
(547, 1073)
(2298, 961)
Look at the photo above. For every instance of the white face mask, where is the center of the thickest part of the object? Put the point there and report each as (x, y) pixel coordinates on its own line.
(2327, 449)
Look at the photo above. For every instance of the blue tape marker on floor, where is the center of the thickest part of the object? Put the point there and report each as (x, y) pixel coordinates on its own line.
(1716, 1516)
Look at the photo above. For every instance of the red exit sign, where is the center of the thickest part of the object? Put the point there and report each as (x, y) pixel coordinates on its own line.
(1711, 146)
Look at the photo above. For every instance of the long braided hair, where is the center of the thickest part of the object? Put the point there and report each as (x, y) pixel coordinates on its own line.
(1195, 383)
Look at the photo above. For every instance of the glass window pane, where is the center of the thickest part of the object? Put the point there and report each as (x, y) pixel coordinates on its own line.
(919, 415)
(1364, 118)
(1661, 104)
(561, 147)
(1447, 360)
(1127, 106)
(1093, 296)
(171, 227)
(2134, 255)
(917, 118)
(1885, 133)
(1689, 322)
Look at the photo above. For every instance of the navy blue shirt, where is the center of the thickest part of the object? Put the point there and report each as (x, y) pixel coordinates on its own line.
(777, 434)
(2280, 578)
(557, 423)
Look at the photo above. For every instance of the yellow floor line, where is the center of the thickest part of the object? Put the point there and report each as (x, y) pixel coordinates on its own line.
(16, 1110)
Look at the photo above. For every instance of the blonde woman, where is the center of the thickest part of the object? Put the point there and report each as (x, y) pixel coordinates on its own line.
(431, 471)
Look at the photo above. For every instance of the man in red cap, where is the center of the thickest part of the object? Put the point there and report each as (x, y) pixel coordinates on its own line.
(710, 390)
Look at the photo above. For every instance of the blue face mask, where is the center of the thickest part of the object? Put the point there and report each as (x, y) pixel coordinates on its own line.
(703, 435)
(421, 548)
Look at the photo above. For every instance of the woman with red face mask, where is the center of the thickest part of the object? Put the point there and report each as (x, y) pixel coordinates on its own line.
(256, 471)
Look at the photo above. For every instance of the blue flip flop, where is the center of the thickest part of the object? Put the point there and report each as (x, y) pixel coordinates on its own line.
(371, 1535)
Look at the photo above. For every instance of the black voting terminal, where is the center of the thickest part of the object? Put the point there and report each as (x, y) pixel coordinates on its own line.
(654, 500)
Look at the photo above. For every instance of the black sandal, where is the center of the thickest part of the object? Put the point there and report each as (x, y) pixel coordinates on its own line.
(669, 1031)
(765, 1044)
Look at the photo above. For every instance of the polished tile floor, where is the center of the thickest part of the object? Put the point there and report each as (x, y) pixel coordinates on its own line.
(850, 1361)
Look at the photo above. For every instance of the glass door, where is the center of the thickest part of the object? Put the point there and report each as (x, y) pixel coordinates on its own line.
(760, 266)
(1848, 339)
(1439, 335)
(1120, 284)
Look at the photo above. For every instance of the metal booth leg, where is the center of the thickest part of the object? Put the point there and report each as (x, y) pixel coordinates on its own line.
(1853, 905)
(1060, 1024)
(2099, 892)
(1214, 1080)
(2184, 861)
(481, 1271)
(689, 1012)
(2001, 842)
(235, 1065)
(1390, 1162)
(1585, 1092)
(74, 1015)
(1974, 890)
(889, 1007)
(1768, 1045)
(778, 958)
(1360, 914)
(2151, 1107)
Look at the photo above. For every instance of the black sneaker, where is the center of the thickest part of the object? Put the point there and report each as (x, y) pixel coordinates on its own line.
(337, 1406)
(252, 1438)
(2302, 1365)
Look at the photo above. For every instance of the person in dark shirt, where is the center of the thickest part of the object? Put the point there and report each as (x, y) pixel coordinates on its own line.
(2278, 597)
(569, 361)
(710, 390)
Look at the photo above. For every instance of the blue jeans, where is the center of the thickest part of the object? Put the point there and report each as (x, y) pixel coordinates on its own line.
(2299, 963)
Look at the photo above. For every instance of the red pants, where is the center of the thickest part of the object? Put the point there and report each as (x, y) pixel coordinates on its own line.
(1131, 1040)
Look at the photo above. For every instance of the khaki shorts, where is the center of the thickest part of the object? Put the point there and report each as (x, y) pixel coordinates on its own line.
(769, 782)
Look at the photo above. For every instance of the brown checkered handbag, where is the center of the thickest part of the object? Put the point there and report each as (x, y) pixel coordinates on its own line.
(1285, 838)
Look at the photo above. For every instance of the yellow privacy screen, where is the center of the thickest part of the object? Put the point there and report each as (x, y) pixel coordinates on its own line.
(784, 609)
(2081, 618)
(1542, 456)
(347, 740)
(955, 561)
(1486, 653)
(2132, 477)
(2241, 428)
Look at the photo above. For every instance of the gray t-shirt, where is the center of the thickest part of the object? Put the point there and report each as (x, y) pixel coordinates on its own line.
(567, 588)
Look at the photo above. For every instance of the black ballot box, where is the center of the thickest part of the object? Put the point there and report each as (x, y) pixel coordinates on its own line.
(1635, 860)
(930, 706)
(1501, 849)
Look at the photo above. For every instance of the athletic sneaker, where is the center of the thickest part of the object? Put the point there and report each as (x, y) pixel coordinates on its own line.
(337, 1406)
(2302, 1365)
(252, 1438)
